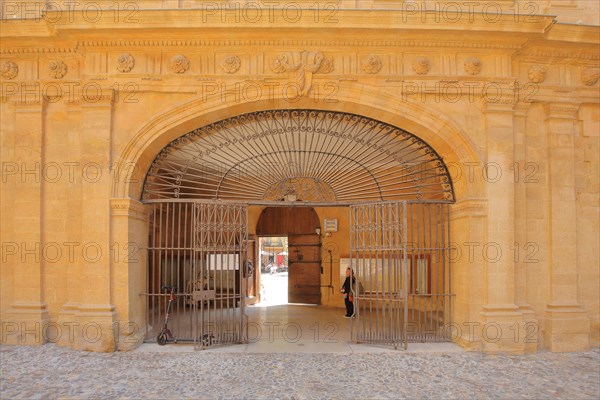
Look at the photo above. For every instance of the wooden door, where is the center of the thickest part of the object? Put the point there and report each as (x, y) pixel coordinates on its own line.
(299, 224)
(304, 274)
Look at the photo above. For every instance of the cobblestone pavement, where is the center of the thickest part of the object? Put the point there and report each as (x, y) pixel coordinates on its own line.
(55, 372)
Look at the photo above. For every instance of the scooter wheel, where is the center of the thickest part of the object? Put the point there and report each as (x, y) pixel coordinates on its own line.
(161, 339)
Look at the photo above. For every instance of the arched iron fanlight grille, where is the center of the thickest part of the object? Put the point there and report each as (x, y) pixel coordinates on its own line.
(303, 155)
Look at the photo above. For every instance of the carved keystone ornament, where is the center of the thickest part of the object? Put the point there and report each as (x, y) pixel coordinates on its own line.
(304, 64)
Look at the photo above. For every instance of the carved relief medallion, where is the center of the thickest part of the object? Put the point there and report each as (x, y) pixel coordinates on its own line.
(303, 64)
(179, 64)
(537, 73)
(473, 66)
(371, 64)
(231, 64)
(125, 62)
(10, 70)
(589, 76)
(57, 69)
(421, 66)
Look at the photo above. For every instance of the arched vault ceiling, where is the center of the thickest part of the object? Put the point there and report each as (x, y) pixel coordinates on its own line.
(314, 156)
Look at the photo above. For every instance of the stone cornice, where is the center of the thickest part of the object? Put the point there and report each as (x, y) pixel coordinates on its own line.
(304, 42)
(202, 44)
(38, 50)
(341, 19)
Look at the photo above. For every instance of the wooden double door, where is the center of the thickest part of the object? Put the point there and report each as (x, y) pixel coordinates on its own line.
(299, 224)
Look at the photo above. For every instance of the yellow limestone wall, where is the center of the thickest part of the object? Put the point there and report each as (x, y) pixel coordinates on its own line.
(87, 102)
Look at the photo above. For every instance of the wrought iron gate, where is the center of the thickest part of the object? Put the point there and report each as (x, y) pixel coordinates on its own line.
(200, 248)
(400, 257)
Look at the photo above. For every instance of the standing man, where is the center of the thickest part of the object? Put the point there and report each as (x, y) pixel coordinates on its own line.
(347, 290)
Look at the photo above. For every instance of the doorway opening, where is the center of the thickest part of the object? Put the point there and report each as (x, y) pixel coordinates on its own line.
(273, 252)
(285, 165)
(303, 254)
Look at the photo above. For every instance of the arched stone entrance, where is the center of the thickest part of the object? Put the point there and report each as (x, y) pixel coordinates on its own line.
(296, 158)
(435, 127)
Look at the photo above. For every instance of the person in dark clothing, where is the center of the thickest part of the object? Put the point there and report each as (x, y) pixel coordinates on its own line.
(346, 290)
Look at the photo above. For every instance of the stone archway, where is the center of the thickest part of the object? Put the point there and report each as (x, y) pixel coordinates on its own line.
(147, 145)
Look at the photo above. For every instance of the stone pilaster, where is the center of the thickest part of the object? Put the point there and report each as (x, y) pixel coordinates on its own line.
(567, 326)
(528, 331)
(499, 311)
(26, 320)
(96, 314)
(467, 220)
(128, 264)
(75, 286)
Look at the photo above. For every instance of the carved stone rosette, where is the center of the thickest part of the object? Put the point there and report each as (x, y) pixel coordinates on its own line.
(421, 66)
(371, 64)
(179, 64)
(589, 76)
(473, 66)
(10, 70)
(57, 69)
(125, 62)
(537, 73)
(231, 64)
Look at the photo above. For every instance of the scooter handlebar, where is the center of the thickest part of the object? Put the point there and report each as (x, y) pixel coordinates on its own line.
(168, 288)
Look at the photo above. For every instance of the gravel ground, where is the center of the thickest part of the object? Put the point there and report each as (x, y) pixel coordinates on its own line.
(55, 372)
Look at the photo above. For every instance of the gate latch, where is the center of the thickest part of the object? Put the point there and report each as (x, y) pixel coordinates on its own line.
(202, 295)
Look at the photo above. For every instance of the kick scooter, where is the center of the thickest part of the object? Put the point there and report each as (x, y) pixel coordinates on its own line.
(165, 333)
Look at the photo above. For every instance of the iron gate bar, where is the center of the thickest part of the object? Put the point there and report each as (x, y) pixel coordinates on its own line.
(188, 240)
(398, 249)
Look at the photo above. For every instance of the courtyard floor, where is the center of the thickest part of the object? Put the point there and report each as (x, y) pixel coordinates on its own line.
(428, 372)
